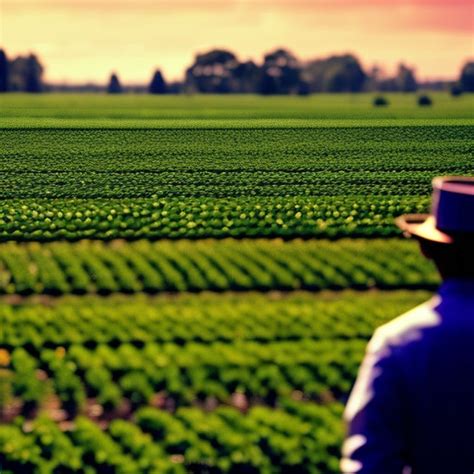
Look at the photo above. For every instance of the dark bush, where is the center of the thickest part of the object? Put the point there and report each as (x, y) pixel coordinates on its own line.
(424, 101)
(456, 90)
(380, 101)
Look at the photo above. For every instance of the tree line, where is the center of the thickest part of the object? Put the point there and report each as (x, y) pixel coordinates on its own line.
(219, 71)
(23, 73)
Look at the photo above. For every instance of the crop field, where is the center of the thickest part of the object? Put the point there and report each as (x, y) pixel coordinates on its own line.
(188, 284)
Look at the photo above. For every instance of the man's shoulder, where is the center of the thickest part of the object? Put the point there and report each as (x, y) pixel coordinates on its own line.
(405, 328)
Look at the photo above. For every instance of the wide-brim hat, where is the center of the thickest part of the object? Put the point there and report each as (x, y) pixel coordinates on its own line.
(452, 213)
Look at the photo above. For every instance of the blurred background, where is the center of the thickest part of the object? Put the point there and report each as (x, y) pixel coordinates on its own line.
(222, 46)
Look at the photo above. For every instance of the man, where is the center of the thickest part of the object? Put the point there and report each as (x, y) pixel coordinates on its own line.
(412, 407)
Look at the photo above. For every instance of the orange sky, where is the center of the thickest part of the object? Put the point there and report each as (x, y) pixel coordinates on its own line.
(81, 40)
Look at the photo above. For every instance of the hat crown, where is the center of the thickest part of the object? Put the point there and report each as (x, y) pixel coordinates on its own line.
(453, 204)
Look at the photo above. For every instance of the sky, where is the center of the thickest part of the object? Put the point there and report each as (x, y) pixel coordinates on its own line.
(85, 40)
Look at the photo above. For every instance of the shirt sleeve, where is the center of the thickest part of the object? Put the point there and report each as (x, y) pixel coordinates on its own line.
(375, 440)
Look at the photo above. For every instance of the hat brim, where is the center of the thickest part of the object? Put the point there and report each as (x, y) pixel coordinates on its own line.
(423, 226)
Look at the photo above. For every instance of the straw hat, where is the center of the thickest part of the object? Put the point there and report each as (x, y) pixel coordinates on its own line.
(452, 213)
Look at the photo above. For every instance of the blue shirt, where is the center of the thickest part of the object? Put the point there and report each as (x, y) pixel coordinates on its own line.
(412, 407)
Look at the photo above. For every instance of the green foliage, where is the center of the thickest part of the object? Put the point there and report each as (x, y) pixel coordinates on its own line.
(216, 265)
(66, 383)
(263, 440)
(100, 384)
(99, 451)
(280, 179)
(172, 171)
(6, 389)
(323, 160)
(18, 452)
(333, 217)
(27, 386)
(199, 370)
(57, 450)
(203, 318)
(197, 347)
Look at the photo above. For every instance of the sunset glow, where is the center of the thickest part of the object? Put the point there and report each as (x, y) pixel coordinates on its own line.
(82, 40)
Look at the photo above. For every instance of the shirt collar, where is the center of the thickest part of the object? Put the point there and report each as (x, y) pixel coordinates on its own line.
(458, 287)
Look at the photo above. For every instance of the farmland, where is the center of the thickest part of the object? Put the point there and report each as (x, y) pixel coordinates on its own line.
(187, 284)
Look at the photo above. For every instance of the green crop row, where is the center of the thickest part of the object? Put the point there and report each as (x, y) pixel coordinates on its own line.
(237, 149)
(123, 378)
(171, 183)
(44, 121)
(106, 219)
(188, 347)
(260, 163)
(298, 437)
(119, 266)
(321, 161)
(240, 349)
(219, 184)
(144, 108)
(141, 184)
(203, 318)
(326, 149)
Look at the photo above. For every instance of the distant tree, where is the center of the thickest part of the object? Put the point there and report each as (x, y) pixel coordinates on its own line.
(246, 76)
(4, 71)
(388, 85)
(335, 74)
(175, 87)
(304, 88)
(212, 72)
(405, 79)
(268, 84)
(466, 80)
(114, 86)
(424, 101)
(16, 76)
(33, 74)
(157, 84)
(25, 74)
(374, 78)
(280, 73)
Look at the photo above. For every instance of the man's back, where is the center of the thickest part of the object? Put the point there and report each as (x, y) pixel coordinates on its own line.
(413, 403)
